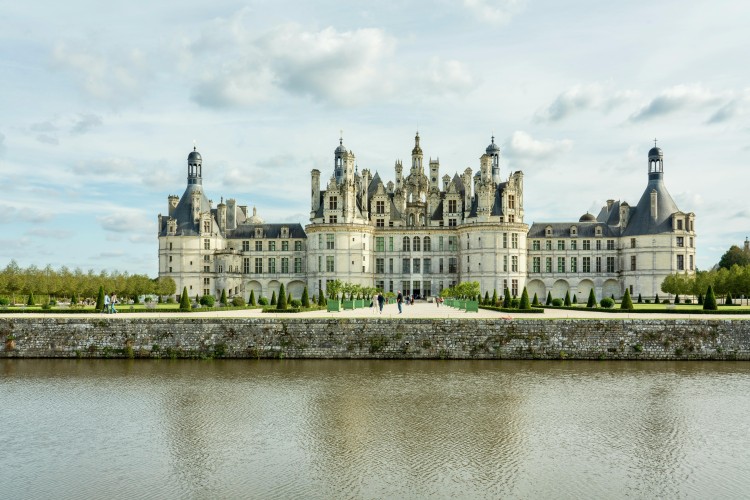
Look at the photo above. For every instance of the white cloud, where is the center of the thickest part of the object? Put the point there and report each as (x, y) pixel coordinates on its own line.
(57, 234)
(678, 98)
(522, 148)
(125, 220)
(85, 122)
(497, 12)
(594, 96)
(26, 214)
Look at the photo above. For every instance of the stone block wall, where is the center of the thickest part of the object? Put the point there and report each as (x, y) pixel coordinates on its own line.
(374, 338)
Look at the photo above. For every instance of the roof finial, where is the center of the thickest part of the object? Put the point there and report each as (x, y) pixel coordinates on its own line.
(341, 137)
(194, 145)
(654, 141)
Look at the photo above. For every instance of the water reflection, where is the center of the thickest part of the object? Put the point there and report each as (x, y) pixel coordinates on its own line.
(373, 429)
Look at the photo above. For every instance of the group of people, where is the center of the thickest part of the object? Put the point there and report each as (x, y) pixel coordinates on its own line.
(377, 303)
(109, 303)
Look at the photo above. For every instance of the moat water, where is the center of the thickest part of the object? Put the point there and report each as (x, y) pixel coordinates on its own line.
(373, 429)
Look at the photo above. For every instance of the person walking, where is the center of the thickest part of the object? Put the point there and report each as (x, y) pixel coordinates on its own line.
(381, 301)
(112, 302)
(106, 304)
(399, 301)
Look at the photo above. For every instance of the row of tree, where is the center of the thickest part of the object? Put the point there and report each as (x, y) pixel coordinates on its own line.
(17, 283)
(734, 281)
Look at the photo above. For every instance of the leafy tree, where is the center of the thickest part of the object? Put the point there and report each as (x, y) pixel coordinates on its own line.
(208, 300)
(223, 299)
(627, 302)
(524, 304)
(282, 298)
(273, 298)
(185, 304)
(735, 255)
(252, 298)
(567, 298)
(592, 300)
(305, 298)
(709, 303)
(549, 298)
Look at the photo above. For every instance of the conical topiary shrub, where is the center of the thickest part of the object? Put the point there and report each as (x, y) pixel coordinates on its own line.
(640, 299)
(728, 300)
(677, 299)
(535, 302)
(252, 298)
(289, 298)
(30, 300)
(709, 302)
(549, 298)
(627, 303)
(223, 299)
(700, 299)
(494, 298)
(524, 304)
(507, 301)
(281, 304)
(592, 299)
(185, 301)
(100, 299)
(273, 298)
(575, 298)
(321, 297)
(567, 299)
(656, 299)
(305, 298)
(486, 298)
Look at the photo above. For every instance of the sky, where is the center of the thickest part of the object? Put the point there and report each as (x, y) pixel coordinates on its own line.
(101, 102)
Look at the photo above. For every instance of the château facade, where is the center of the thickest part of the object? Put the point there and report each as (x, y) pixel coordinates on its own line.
(421, 233)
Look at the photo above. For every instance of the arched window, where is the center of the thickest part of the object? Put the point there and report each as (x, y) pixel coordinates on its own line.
(417, 246)
(411, 219)
(405, 246)
(427, 244)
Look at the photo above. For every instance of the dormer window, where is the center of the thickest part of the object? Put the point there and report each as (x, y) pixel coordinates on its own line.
(333, 203)
(598, 231)
(548, 231)
(573, 231)
(258, 232)
(285, 232)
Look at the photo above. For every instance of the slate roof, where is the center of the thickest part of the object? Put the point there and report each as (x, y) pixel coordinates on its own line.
(247, 231)
(183, 213)
(640, 221)
(562, 229)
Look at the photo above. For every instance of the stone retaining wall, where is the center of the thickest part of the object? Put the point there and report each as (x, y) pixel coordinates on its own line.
(374, 338)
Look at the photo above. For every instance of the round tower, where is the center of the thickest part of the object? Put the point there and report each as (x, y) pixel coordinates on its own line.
(195, 166)
(339, 155)
(493, 150)
(416, 154)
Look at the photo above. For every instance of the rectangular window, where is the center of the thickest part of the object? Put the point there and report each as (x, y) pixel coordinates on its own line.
(505, 240)
(561, 244)
(680, 262)
(452, 206)
(271, 246)
(511, 218)
(258, 246)
(680, 241)
(452, 244)
(514, 288)
(574, 264)
(380, 265)
(333, 219)
(297, 246)
(330, 241)
(587, 244)
(333, 203)
(320, 263)
(505, 263)
(390, 266)
(632, 262)
(258, 265)
(548, 264)
(441, 269)
(536, 245)
(536, 266)
(405, 266)
(284, 246)
(691, 262)
(207, 269)
(610, 244)
(330, 268)
(272, 265)
(452, 265)
(610, 264)
(416, 266)
(390, 243)
(206, 244)
(514, 263)
(298, 265)
(573, 244)
(598, 264)
(548, 244)
(379, 207)
(514, 240)
(440, 244)
(598, 244)
(679, 225)
(245, 246)
(380, 244)
(285, 265)
(632, 242)
(561, 264)
(380, 222)
(427, 266)
(451, 222)
(206, 281)
(246, 265)
(586, 264)
(691, 242)
(511, 201)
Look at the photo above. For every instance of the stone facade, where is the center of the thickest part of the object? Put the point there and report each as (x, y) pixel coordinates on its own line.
(375, 338)
(419, 236)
